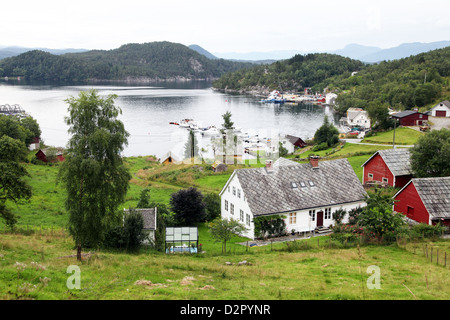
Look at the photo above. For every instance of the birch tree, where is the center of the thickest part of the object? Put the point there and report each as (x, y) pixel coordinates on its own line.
(93, 173)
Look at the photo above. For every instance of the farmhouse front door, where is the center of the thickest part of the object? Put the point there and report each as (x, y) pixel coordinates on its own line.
(320, 218)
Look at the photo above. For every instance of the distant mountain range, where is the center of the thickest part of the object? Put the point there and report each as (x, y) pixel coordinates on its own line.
(355, 51)
(374, 54)
(363, 53)
(6, 52)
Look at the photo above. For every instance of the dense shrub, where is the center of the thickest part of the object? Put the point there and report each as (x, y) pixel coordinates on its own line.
(269, 226)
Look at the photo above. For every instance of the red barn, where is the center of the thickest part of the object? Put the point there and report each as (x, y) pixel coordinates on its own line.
(43, 153)
(425, 200)
(390, 166)
(410, 118)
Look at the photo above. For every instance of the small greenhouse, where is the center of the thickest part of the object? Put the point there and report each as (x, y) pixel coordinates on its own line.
(181, 239)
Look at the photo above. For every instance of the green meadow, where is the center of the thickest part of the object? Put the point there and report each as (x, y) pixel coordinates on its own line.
(35, 258)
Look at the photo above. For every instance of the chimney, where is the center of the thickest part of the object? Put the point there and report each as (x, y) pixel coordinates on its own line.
(314, 161)
(269, 166)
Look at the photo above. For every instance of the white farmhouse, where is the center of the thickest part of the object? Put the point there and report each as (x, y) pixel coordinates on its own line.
(307, 194)
(330, 98)
(357, 117)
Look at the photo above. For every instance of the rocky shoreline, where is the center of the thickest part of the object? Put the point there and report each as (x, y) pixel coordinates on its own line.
(257, 91)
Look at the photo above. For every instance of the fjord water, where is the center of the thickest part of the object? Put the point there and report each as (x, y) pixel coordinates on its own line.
(148, 109)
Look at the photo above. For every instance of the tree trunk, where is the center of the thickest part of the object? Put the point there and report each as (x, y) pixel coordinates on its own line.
(79, 252)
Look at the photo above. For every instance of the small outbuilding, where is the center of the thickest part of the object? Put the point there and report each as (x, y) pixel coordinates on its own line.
(389, 167)
(182, 239)
(149, 217)
(218, 166)
(50, 155)
(442, 109)
(34, 145)
(410, 118)
(425, 200)
(170, 158)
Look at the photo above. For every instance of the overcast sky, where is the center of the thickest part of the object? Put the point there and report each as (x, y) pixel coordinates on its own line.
(224, 26)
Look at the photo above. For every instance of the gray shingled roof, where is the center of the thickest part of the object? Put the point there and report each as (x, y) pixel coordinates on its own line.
(334, 182)
(149, 216)
(397, 160)
(404, 114)
(284, 162)
(435, 195)
(445, 103)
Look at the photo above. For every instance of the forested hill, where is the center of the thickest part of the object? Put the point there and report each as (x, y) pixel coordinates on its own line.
(295, 74)
(143, 62)
(417, 81)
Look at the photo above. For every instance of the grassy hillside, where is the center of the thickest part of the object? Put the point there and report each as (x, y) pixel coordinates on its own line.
(33, 262)
(304, 270)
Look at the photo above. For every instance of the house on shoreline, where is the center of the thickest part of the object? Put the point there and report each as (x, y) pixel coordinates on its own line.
(306, 194)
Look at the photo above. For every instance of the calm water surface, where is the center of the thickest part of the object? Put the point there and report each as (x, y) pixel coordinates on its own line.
(147, 111)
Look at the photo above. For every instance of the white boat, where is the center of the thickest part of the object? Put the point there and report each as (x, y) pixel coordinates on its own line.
(186, 123)
(274, 97)
(211, 131)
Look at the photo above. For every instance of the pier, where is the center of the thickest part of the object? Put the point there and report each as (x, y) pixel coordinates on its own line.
(12, 110)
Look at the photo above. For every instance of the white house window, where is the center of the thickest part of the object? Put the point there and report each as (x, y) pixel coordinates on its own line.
(228, 188)
(293, 218)
(239, 193)
(312, 214)
(234, 191)
(226, 205)
(327, 213)
(242, 216)
(247, 219)
(231, 208)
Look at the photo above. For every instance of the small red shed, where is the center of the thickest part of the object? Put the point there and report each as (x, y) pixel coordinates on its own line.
(296, 141)
(390, 166)
(425, 200)
(42, 155)
(410, 118)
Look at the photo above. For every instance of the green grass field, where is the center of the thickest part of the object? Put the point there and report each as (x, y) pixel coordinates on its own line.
(314, 272)
(316, 268)
(403, 135)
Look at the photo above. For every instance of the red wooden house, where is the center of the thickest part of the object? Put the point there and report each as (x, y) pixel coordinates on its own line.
(410, 118)
(425, 200)
(391, 167)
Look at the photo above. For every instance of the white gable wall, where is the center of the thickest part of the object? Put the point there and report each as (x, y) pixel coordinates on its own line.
(233, 197)
(440, 107)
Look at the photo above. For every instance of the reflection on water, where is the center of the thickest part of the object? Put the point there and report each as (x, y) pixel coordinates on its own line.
(147, 111)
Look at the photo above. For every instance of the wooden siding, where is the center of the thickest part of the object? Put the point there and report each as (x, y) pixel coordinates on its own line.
(378, 168)
(413, 119)
(409, 197)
